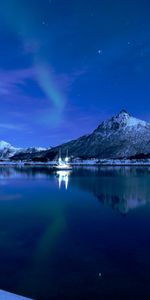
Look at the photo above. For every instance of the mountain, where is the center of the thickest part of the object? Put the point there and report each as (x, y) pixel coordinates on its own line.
(122, 136)
(7, 150)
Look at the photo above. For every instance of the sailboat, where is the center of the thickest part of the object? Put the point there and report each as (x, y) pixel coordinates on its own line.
(63, 164)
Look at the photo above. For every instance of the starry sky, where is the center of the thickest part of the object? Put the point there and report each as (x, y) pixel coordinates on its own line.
(67, 65)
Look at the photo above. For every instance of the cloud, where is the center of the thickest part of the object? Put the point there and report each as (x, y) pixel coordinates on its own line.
(9, 126)
(11, 79)
(34, 96)
(65, 81)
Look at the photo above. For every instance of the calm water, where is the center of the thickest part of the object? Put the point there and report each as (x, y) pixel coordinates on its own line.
(83, 235)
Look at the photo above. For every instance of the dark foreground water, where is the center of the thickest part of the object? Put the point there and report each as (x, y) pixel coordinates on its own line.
(83, 235)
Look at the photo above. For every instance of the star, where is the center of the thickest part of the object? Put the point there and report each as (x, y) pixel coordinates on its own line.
(100, 52)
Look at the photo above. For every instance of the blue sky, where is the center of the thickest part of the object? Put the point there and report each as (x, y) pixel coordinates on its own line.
(67, 65)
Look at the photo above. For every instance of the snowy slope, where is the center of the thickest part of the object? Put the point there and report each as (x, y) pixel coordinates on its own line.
(120, 137)
(7, 150)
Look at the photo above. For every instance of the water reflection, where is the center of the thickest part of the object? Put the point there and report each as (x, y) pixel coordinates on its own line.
(63, 177)
(53, 241)
(121, 188)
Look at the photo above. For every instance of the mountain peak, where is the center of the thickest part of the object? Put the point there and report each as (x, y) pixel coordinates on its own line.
(123, 112)
(123, 121)
(4, 144)
(122, 136)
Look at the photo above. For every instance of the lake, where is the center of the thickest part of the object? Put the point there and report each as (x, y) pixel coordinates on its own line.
(83, 234)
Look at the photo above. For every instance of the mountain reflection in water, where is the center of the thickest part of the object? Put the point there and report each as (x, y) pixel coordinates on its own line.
(62, 235)
(121, 188)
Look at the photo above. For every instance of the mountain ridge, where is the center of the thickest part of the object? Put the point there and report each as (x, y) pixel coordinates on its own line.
(7, 151)
(122, 136)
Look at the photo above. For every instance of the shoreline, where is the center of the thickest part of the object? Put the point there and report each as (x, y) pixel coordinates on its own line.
(109, 163)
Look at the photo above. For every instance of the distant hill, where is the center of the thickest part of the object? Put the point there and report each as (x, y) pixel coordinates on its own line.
(7, 151)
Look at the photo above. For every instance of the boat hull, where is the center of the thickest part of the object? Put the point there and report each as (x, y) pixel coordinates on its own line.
(63, 168)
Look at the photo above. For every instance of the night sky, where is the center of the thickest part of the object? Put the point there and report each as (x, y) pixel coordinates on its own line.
(66, 65)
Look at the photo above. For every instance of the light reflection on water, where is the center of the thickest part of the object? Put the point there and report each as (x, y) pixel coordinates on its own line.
(63, 177)
(55, 240)
(122, 188)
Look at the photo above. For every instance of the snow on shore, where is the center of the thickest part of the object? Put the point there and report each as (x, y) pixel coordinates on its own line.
(87, 162)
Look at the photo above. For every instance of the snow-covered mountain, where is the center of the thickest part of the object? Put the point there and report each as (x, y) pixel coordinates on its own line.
(120, 137)
(7, 150)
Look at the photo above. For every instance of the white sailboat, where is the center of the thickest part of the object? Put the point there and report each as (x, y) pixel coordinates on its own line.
(63, 164)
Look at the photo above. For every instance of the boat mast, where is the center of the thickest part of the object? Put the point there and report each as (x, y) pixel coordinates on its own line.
(67, 158)
(59, 156)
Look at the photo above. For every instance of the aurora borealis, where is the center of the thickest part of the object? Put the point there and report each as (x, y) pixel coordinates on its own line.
(67, 65)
